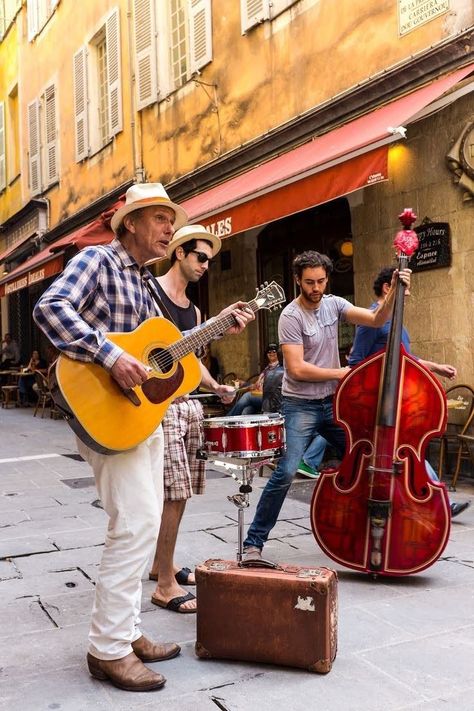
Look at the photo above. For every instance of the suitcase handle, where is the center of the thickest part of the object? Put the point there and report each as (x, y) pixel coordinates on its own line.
(259, 563)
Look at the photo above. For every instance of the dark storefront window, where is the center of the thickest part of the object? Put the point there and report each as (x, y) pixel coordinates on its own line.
(326, 229)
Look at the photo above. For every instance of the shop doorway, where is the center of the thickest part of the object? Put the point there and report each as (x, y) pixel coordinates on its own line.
(326, 229)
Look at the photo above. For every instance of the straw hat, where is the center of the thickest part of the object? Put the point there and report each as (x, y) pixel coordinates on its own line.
(146, 195)
(189, 232)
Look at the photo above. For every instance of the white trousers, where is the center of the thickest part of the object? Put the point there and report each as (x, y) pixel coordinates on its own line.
(130, 487)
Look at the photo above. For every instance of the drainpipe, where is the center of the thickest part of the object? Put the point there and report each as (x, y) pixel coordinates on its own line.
(136, 119)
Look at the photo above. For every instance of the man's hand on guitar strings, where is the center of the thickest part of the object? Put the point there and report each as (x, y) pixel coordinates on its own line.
(242, 314)
(128, 371)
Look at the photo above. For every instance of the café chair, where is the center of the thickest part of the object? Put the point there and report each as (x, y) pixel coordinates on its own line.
(460, 406)
(45, 398)
(465, 447)
(10, 396)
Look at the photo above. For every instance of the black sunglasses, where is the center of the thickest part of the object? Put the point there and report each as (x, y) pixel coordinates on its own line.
(201, 256)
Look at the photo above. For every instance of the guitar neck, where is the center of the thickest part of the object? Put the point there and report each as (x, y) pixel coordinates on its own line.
(212, 330)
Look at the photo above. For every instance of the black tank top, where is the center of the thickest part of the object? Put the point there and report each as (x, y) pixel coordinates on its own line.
(184, 317)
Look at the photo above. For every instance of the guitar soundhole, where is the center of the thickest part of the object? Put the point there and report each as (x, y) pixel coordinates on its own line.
(161, 360)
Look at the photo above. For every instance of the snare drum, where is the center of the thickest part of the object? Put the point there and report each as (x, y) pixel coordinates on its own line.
(244, 436)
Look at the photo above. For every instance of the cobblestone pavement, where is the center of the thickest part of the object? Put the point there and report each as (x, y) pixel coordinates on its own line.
(403, 643)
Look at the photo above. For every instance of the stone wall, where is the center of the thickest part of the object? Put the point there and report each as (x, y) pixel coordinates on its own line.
(439, 310)
(238, 354)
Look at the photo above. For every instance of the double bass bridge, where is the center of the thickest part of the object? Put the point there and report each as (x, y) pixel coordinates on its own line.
(396, 468)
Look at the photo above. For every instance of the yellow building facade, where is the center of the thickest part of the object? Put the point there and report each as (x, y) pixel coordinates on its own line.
(223, 103)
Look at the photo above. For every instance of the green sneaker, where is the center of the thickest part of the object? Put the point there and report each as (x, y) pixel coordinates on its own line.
(307, 471)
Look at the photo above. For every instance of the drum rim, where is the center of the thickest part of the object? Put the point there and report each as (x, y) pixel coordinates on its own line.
(231, 422)
(245, 454)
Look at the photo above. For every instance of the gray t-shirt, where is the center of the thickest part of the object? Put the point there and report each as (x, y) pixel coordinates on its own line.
(317, 331)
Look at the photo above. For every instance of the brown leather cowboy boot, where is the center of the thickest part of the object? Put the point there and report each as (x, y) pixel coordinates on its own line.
(128, 673)
(149, 651)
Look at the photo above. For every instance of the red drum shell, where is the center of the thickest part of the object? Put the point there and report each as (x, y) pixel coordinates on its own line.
(244, 436)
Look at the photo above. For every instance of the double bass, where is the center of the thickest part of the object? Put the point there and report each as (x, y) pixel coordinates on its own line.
(380, 513)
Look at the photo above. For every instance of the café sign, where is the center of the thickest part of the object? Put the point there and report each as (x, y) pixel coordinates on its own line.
(434, 251)
(34, 276)
(31, 278)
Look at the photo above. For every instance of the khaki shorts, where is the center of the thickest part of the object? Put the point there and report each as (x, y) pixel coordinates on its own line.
(184, 475)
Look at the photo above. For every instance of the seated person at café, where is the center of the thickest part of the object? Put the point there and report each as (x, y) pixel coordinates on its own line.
(27, 380)
(10, 352)
(10, 357)
(250, 402)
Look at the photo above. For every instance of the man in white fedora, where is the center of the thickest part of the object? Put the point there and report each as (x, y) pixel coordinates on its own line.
(190, 251)
(103, 289)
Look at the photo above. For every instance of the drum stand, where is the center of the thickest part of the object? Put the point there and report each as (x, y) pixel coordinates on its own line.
(243, 473)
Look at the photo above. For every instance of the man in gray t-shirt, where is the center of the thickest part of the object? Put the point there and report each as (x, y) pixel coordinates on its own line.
(308, 335)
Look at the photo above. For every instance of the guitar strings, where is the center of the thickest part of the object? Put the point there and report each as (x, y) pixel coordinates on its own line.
(190, 343)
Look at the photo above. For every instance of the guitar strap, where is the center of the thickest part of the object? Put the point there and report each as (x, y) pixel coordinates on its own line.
(151, 284)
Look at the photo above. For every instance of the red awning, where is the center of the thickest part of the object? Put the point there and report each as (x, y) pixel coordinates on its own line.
(96, 232)
(307, 175)
(48, 262)
(41, 266)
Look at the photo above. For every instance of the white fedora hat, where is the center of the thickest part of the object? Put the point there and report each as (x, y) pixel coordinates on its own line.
(189, 232)
(146, 195)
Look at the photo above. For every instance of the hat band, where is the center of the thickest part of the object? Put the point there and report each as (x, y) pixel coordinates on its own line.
(153, 201)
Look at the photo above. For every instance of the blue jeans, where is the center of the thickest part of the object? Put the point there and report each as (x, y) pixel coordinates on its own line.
(248, 404)
(304, 419)
(315, 452)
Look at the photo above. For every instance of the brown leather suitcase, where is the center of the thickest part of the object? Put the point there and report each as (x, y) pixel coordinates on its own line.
(285, 616)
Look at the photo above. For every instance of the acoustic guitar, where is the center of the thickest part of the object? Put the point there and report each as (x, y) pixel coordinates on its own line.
(109, 419)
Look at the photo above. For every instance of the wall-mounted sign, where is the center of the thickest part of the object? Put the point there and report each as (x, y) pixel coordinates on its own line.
(435, 247)
(413, 13)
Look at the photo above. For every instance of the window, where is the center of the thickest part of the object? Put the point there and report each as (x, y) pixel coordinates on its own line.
(254, 12)
(39, 12)
(102, 91)
(42, 141)
(178, 43)
(98, 89)
(8, 10)
(169, 47)
(3, 18)
(13, 120)
(3, 172)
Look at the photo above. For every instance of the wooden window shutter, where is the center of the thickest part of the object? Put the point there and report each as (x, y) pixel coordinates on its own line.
(51, 135)
(200, 33)
(114, 77)
(252, 12)
(33, 11)
(144, 28)
(80, 104)
(34, 147)
(3, 170)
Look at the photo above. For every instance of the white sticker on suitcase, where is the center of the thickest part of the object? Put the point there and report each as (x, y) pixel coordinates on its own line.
(306, 604)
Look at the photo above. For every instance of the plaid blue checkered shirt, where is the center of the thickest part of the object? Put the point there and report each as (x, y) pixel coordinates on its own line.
(101, 290)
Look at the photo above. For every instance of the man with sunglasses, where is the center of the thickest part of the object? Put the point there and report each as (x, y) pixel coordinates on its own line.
(190, 253)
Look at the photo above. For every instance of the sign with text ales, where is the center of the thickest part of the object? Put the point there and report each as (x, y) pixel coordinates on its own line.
(435, 247)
